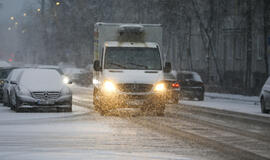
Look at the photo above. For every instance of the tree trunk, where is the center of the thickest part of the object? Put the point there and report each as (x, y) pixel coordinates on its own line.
(249, 46)
(266, 28)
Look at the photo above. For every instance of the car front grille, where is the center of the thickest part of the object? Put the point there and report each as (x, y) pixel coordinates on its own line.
(46, 95)
(135, 87)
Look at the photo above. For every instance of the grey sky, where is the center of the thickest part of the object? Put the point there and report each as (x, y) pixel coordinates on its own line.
(12, 8)
(8, 39)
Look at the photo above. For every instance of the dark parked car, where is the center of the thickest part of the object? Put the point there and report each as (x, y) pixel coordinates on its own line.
(265, 97)
(4, 72)
(191, 84)
(173, 88)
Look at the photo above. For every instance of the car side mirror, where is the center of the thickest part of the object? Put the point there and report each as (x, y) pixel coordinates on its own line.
(13, 82)
(167, 67)
(97, 66)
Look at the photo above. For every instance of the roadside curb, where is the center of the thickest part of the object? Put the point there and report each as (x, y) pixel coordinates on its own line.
(256, 119)
(230, 98)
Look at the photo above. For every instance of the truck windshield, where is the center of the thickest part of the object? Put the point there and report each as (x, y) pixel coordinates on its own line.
(132, 58)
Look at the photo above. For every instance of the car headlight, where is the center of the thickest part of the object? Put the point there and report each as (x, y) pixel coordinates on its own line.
(66, 80)
(160, 87)
(65, 91)
(2, 82)
(109, 86)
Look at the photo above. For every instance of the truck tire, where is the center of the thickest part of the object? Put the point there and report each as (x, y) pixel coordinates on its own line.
(160, 109)
(96, 101)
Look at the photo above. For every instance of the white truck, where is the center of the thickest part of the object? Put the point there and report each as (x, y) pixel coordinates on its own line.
(128, 67)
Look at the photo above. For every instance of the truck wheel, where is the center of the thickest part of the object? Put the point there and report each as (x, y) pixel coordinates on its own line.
(160, 110)
(96, 101)
(102, 109)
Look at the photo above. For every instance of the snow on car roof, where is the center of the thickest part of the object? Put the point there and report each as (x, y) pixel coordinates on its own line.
(4, 64)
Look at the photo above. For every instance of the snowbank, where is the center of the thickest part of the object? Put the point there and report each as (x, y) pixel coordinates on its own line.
(4, 64)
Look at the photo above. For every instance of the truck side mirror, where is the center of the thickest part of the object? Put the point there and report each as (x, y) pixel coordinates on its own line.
(97, 66)
(167, 67)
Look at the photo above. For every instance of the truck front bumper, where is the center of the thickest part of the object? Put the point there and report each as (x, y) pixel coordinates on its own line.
(132, 100)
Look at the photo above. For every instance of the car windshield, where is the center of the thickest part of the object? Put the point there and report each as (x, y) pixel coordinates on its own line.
(4, 73)
(185, 76)
(132, 58)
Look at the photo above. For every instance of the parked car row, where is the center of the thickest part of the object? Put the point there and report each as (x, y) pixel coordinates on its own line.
(4, 72)
(36, 88)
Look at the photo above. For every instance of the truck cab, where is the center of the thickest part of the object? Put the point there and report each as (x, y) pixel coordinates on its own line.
(128, 68)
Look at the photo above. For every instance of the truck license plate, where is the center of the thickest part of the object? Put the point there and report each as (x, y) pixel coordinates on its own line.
(135, 102)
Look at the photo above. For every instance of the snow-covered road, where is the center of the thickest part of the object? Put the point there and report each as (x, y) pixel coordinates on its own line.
(81, 135)
(181, 134)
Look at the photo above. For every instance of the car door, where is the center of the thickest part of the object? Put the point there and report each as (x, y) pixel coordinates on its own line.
(266, 93)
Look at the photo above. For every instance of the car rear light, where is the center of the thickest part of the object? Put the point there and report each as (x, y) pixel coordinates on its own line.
(175, 85)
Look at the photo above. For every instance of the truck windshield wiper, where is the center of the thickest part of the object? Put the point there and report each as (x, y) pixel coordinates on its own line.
(118, 65)
(139, 65)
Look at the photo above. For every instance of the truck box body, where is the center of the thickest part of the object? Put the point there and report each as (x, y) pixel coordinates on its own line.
(105, 32)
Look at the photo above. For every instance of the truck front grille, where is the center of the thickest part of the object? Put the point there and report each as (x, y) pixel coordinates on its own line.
(46, 95)
(135, 87)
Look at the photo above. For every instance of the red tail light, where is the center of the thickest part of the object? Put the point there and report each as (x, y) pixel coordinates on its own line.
(175, 85)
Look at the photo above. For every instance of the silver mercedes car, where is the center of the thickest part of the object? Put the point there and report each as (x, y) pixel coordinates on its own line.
(40, 89)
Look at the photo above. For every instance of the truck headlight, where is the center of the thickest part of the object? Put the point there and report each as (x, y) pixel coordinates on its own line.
(160, 87)
(109, 86)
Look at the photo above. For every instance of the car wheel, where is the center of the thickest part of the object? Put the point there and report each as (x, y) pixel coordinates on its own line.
(8, 101)
(263, 109)
(4, 101)
(17, 104)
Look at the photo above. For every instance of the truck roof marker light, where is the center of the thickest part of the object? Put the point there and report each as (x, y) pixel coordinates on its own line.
(131, 29)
